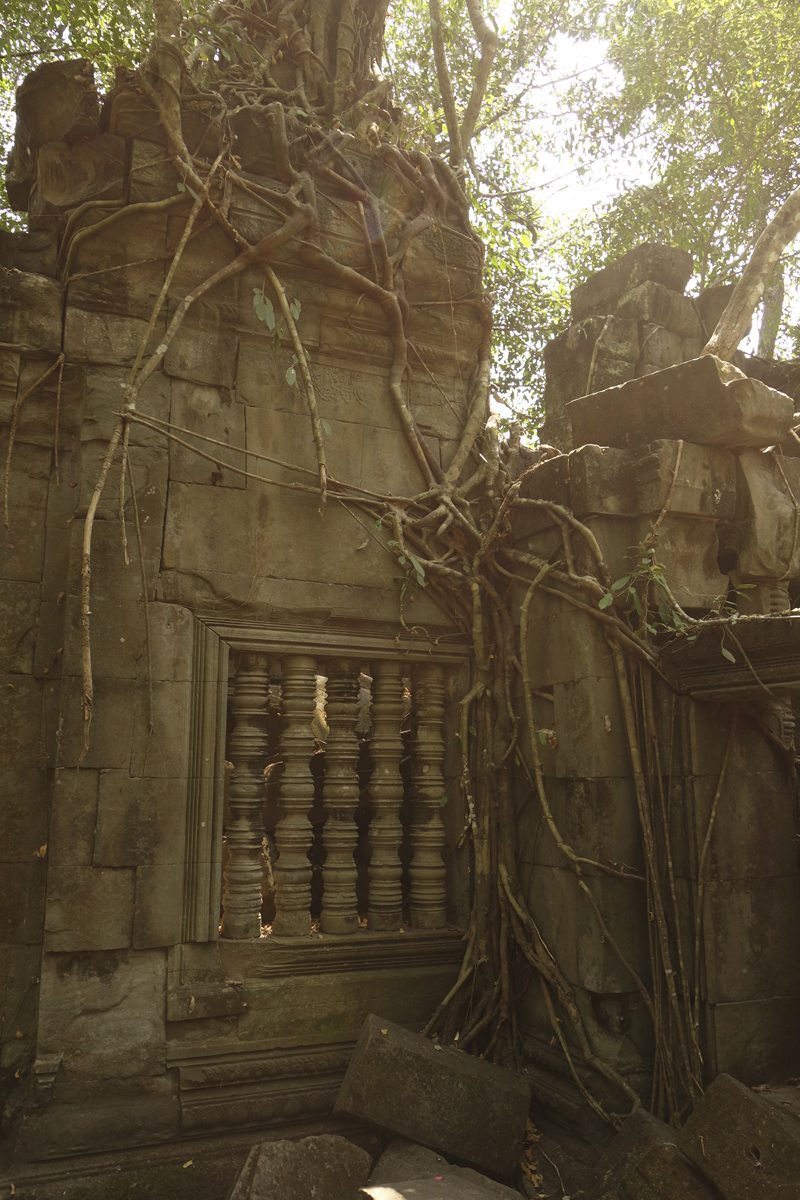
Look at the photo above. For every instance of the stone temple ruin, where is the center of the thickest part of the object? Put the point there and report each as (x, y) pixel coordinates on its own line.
(263, 841)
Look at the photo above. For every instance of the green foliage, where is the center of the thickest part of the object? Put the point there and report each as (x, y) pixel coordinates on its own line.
(706, 92)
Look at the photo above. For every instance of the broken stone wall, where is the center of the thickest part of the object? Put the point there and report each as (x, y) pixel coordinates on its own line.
(126, 1020)
(703, 455)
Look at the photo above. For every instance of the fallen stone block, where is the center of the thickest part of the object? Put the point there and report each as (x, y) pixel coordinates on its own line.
(445, 1099)
(403, 1160)
(644, 1163)
(705, 401)
(649, 262)
(426, 1189)
(317, 1168)
(749, 1147)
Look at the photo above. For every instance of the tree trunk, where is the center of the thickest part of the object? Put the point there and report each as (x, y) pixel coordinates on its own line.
(771, 315)
(735, 321)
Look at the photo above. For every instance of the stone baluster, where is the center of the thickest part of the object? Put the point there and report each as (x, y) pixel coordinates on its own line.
(292, 873)
(427, 871)
(386, 795)
(241, 896)
(340, 799)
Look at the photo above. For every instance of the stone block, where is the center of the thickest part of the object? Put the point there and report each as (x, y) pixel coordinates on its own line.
(386, 461)
(711, 304)
(20, 721)
(403, 1160)
(36, 417)
(164, 751)
(22, 902)
(587, 716)
(653, 304)
(706, 484)
(688, 549)
(754, 827)
(20, 606)
(23, 813)
(152, 175)
(158, 904)
(600, 481)
(253, 144)
(30, 312)
(747, 1146)
(150, 471)
(661, 1172)
(58, 101)
(105, 1011)
(103, 397)
(213, 413)
(326, 1167)
(659, 349)
(447, 1100)
(598, 818)
(73, 817)
(647, 262)
(204, 348)
(103, 337)
(29, 252)
(88, 908)
(567, 647)
(747, 925)
(706, 401)
(139, 821)
(111, 729)
(171, 642)
(69, 175)
(756, 1040)
(219, 310)
(762, 534)
(427, 1189)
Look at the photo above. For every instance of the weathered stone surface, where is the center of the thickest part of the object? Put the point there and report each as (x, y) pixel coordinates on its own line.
(705, 486)
(660, 348)
(105, 1011)
(688, 549)
(763, 533)
(649, 261)
(58, 100)
(30, 312)
(69, 175)
(705, 401)
(449, 1101)
(757, 1039)
(213, 413)
(88, 909)
(655, 305)
(711, 304)
(33, 252)
(600, 481)
(427, 1189)
(403, 1160)
(747, 1146)
(317, 1168)
(644, 1163)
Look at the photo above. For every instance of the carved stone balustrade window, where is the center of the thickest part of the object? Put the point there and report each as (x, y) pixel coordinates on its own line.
(333, 816)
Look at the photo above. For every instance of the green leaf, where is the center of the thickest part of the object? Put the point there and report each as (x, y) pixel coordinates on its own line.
(637, 603)
(442, 801)
(727, 654)
(329, 432)
(473, 731)
(181, 186)
(606, 600)
(517, 763)
(542, 737)
(193, 193)
(620, 583)
(402, 560)
(294, 308)
(291, 376)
